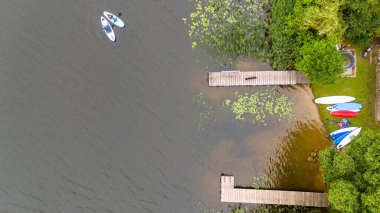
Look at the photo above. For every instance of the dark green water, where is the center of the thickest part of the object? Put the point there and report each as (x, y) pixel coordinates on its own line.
(88, 125)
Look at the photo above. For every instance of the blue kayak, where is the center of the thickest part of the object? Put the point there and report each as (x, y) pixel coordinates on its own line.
(345, 106)
(336, 134)
(338, 140)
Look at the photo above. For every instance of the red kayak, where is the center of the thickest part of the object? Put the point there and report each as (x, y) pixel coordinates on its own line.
(344, 114)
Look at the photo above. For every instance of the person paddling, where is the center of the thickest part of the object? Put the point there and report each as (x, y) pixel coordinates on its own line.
(112, 18)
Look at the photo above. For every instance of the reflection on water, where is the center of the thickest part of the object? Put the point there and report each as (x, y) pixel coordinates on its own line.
(289, 169)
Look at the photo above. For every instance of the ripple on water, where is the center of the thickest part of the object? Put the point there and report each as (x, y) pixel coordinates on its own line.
(289, 168)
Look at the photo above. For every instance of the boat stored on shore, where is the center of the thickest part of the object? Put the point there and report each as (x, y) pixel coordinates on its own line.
(334, 99)
(345, 106)
(336, 134)
(349, 138)
(344, 114)
(338, 140)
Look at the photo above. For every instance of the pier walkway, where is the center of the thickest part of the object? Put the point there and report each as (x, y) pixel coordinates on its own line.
(255, 78)
(239, 195)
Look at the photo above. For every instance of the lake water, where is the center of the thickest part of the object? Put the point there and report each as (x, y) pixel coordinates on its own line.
(87, 125)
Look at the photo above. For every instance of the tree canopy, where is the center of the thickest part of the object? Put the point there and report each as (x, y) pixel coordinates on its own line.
(320, 60)
(354, 176)
(319, 15)
(362, 19)
(282, 44)
(303, 36)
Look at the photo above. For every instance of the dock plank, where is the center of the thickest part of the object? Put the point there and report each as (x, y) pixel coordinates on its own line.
(255, 78)
(259, 196)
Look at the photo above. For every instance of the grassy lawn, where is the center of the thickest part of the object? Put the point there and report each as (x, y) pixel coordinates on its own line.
(362, 87)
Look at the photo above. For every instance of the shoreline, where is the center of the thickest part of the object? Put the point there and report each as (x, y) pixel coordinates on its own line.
(362, 87)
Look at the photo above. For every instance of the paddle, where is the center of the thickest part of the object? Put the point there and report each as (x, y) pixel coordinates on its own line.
(332, 121)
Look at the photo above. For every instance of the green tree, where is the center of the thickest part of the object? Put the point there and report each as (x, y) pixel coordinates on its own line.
(230, 28)
(362, 19)
(319, 15)
(371, 200)
(282, 44)
(344, 197)
(320, 60)
(326, 158)
(307, 32)
(336, 166)
(354, 175)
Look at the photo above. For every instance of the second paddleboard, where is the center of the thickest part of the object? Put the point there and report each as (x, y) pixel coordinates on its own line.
(114, 19)
(345, 106)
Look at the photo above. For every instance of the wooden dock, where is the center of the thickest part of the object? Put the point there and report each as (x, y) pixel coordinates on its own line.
(255, 78)
(239, 195)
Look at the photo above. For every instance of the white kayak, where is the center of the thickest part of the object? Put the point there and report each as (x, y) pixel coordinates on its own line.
(107, 29)
(114, 19)
(349, 138)
(334, 99)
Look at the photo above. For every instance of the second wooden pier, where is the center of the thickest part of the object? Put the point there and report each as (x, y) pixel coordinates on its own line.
(238, 195)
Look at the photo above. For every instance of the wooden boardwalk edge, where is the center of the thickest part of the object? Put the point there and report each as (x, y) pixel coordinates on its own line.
(258, 196)
(256, 78)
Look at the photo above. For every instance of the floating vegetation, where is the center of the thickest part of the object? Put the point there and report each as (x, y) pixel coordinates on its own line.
(206, 110)
(260, 182)
(203, 209)
(230, 28)
(255, 107)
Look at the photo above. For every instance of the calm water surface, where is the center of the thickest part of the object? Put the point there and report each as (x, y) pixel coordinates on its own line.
(88, 125)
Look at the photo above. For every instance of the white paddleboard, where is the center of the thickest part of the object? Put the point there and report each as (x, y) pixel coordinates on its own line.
(349, 138)
(333, 110)
(114, 19)
(334, 99)
(107, 29)
(336, 132)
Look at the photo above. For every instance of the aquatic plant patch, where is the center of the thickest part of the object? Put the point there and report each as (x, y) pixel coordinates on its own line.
(230, 28)
(260, 182)
(206, 110)
(255, 107)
